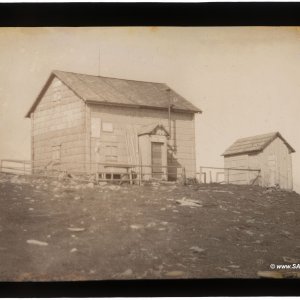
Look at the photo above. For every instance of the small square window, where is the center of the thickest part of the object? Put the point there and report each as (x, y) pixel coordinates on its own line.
(107, 127)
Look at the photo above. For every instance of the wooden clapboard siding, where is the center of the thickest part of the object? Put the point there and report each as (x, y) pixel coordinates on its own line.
(283, 171)
(132, 119)
(236, 176)
(59, 119)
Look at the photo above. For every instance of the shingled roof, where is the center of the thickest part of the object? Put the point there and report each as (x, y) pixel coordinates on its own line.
(107, 90)
(254, 144)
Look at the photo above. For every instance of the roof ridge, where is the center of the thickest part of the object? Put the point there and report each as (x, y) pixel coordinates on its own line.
(258, 135)
(110, 77)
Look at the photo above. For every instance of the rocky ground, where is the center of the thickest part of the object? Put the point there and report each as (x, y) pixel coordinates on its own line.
(67, 230)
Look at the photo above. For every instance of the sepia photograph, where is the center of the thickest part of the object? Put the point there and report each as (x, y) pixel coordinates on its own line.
(149, 153)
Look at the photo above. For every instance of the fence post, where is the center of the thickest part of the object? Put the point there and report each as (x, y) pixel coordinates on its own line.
(200, 178)
(24, 167)
(210, 177)
(184, 176)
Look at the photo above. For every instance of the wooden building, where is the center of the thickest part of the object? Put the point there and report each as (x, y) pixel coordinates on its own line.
(84, 122)
(270, 153)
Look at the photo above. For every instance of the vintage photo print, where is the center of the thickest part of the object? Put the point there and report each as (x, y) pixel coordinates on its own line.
(149, 153)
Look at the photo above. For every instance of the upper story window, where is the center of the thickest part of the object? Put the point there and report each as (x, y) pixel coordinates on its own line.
(107, 127)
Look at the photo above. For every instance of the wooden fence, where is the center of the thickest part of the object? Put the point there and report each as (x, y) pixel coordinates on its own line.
(99, 171)
(15, 166)
(228, 175)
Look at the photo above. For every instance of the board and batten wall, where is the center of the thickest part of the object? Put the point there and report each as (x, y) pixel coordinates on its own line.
(275, 163)
(127, 122)
(58, 121)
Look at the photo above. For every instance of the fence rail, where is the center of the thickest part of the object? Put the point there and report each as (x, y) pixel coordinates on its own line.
(228, 175)
(15, 166)
(100, 170)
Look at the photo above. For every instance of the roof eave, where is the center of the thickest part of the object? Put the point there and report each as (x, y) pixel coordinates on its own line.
(95, 102)
(240, 153)
(37, 99)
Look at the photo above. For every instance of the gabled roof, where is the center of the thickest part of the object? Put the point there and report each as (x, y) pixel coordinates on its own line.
(254, 144)
(106, 90)
(151, 129)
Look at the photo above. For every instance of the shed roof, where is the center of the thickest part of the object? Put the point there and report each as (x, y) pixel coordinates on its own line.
(254, 144)
(107, 90)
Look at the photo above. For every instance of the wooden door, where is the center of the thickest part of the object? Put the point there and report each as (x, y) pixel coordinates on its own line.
(156, 158)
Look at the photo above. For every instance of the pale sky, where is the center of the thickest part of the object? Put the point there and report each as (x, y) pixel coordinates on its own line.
(246, 80)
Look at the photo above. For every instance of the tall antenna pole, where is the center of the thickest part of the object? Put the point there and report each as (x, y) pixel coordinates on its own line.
(169, 111)
(99, 63)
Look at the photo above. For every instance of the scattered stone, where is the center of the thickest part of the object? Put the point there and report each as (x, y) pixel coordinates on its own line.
(128, 272)
(163, 209)
(102, 183)
(30, 208)
(249, 232)
(174, 273)
(290, 260)
(222, 269)
(73, 250)
(76, 229)
(36, 242)
(269, 274)
(197, 249)
(136, 226)
(77, 198)
(90, 185)
(188, 202)
(234, 266)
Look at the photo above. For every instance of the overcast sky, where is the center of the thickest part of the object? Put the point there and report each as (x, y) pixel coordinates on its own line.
(246, 80)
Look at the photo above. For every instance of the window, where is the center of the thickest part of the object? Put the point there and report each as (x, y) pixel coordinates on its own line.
(111, 153)
(107, 127)
(56, 153)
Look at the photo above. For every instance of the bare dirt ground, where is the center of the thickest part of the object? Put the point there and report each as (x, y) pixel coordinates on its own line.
(65, 230)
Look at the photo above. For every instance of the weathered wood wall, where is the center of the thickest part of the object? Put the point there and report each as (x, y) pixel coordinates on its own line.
(236, 176)
(275, 163)
(283, 164)
(129, 120)
(59, 119)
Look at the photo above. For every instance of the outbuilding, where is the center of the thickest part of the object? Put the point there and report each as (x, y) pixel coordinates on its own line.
(87, 123)
(262, 159)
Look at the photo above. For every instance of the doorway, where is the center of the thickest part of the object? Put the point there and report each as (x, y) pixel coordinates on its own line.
(156, 159)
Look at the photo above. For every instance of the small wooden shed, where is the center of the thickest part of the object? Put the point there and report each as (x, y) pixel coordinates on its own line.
(88, 122)
(269, 153)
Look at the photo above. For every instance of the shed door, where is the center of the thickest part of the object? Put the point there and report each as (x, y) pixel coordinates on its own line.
(156, 155)
(272, 170)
